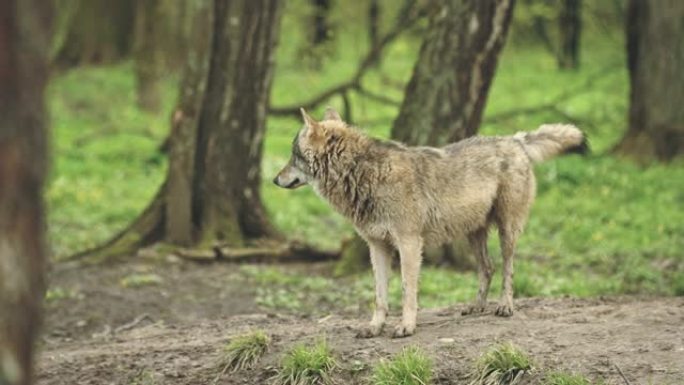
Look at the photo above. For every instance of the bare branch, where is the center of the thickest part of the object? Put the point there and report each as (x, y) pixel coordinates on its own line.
(408, 16)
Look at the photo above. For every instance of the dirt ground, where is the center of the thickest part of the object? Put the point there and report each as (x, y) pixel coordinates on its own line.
(101, 332)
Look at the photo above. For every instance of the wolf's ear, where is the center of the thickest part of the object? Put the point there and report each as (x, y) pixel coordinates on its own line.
(312, 126)
(309, 122)
(331, 114)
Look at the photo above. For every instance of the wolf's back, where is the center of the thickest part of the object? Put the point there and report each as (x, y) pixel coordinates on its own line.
(550, 140)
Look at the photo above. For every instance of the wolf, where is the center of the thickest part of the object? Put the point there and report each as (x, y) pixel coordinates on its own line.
(403, 198)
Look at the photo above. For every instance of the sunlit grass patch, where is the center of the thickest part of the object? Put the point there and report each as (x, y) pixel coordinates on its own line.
(410, 367)
(307, 365)
(565, 378)
(503, 364)
(55, 294)
(243, 352)
(139, 280)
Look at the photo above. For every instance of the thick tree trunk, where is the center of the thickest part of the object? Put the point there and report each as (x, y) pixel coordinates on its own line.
(148, 47)
(212, 193)
(227, 200)
(445, 98)
(100, 31)
(655, 56)
(570, 27)
(24, 50)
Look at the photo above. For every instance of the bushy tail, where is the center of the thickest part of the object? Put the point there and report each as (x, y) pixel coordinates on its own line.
(550, 140)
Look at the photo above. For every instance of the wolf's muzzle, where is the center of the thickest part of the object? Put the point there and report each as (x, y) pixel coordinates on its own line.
(294, 183)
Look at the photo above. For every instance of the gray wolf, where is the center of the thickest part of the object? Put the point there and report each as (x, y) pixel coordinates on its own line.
(402, 198)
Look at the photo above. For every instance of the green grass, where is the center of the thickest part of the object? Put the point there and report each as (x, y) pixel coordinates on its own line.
(565, 378)
(140, 280)
(307, 365)
(600, 225)
(504, 364)
(243, 352)
(56, 294)
(410, 367)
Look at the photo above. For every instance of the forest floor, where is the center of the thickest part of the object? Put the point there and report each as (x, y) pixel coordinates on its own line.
(152, 323)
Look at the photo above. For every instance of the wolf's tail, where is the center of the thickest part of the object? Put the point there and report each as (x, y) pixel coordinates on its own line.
(550, 140)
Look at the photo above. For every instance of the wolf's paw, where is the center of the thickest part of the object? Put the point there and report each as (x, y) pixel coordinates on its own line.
(473, 309)
(403, 331)
(504, 310)
(369, 331)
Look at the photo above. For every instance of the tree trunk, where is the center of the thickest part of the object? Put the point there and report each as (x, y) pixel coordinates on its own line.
(212, 193)
(100, 31)
(24, 50)
(149, 58)
(445, 98)
(321, 26)
(374, 22)
(655, 58)
(446, 95)
(570, 28)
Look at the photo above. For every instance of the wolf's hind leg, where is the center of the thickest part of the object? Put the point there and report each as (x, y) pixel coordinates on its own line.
(410, 251)
(485, 270)
(509, 237)
(381, 259)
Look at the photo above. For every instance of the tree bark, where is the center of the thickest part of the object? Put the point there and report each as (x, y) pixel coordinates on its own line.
(149, 58)
(655, 58)
(445, 98)
(446, 95)
(24, 49)
(211, 196)
(570, 27)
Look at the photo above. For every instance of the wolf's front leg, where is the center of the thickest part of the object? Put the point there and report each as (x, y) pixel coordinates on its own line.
(381, 259)
(410, 251)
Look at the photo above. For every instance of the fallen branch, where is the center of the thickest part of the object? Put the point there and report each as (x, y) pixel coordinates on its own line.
(290, 252)
(622, 374)
(133, 323)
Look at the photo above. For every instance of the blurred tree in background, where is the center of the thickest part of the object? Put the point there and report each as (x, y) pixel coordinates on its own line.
(655, 58)
(212, 194)
(24, 49)
(148, 52)
(93, 31)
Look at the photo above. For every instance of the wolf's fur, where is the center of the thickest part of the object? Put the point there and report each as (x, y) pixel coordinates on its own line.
(402, 198)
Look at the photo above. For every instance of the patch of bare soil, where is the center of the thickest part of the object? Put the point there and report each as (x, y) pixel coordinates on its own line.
(173, 333)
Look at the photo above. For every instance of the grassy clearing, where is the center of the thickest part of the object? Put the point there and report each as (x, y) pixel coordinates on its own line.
(565, 378)
(503, 364)
(410, 367)
(243, 352)
(600, 225)
(307, 365)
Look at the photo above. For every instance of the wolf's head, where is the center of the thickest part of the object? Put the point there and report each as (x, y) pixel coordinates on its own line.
(308, 147)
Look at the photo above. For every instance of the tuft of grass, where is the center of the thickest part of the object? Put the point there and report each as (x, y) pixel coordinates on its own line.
(143, 377)
(503, 364)
(307, 365)
(55, 294)
(244, 351)
(140, 280)
(410, 367)
(565, 378)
